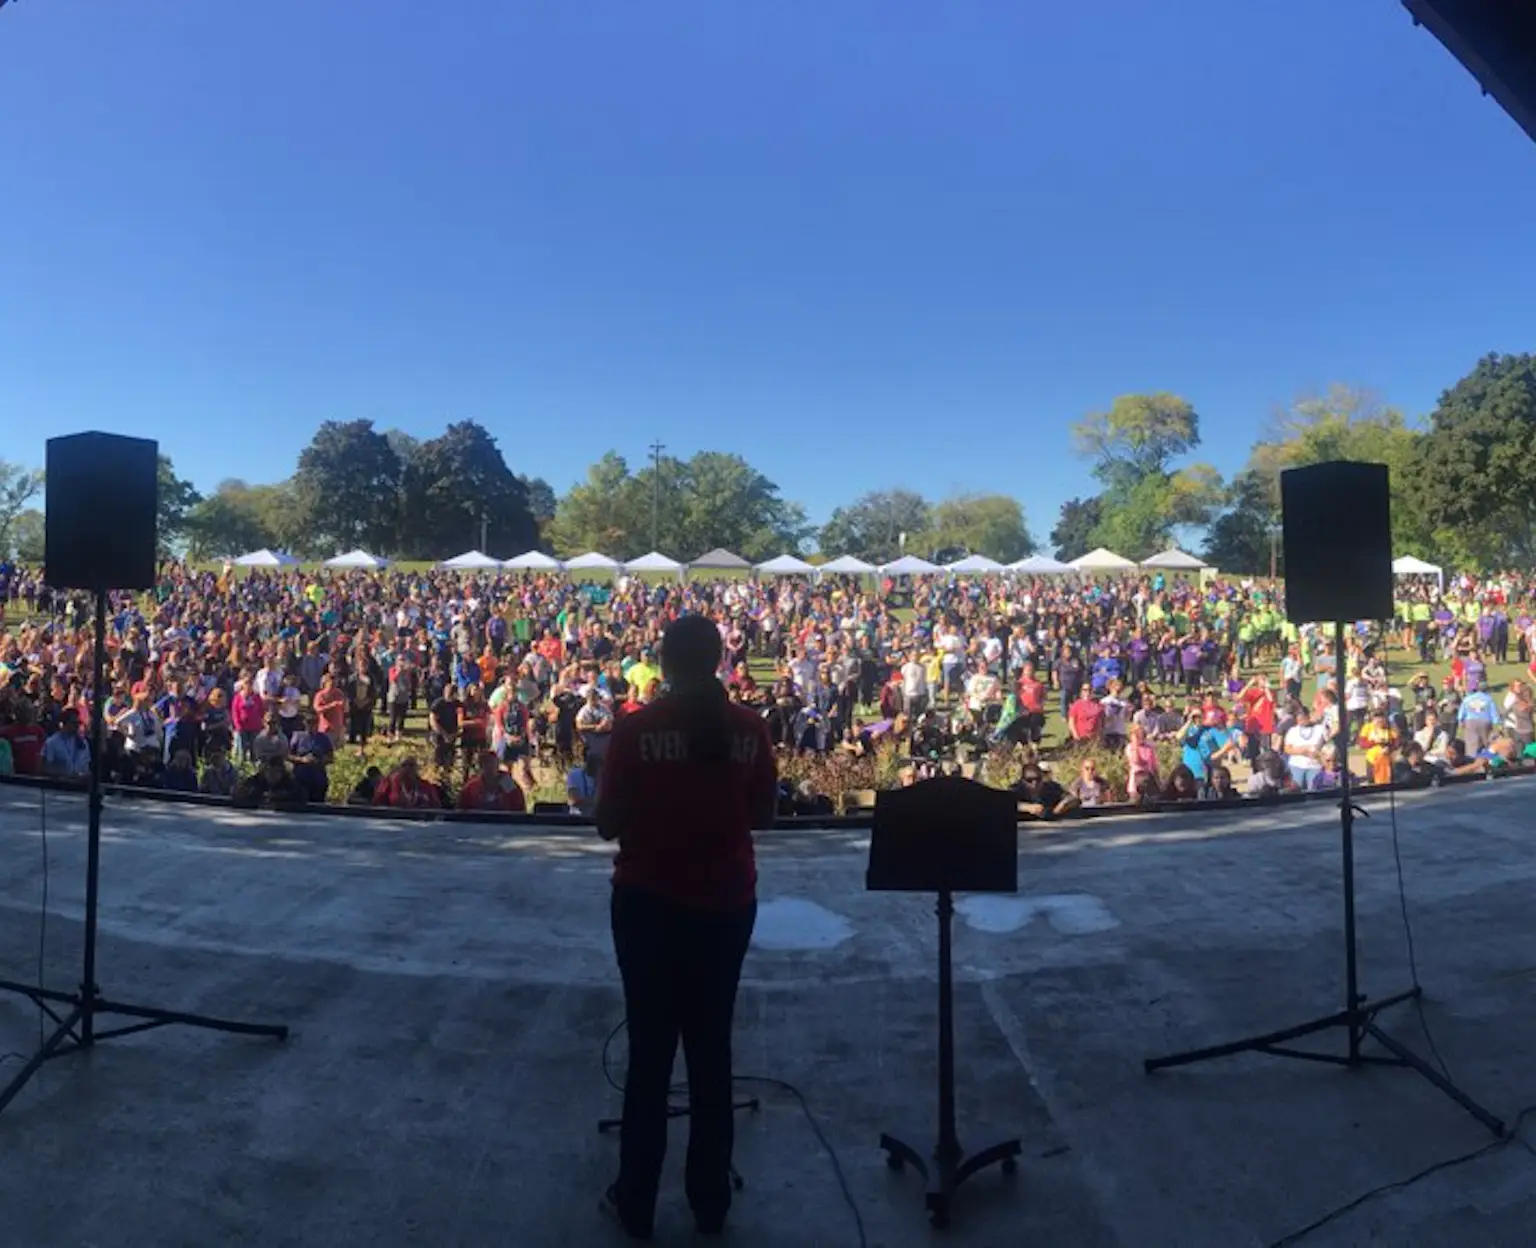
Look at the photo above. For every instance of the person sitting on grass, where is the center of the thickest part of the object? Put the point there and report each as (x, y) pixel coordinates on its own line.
(67, 754)
(219, 775)
(180, 775)
(406, 789)
(1040, 796)
(1412, 770)
(364, 790)
(490, 788)
(1182, 785)
(581, 785)
(270, 787)
(1218, 786)
(1089, 788)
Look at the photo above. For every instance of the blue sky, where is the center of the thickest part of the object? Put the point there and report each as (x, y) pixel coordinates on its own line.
(862, 242)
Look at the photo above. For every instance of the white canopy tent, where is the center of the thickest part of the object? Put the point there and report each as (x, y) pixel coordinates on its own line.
(1041, 565)
(1102, 560)
(590, 562)
(719, 560)
(847, 565)
(266, 559)
(786, 565)
(534, 561)
(1411, 565)
(973, 564)
(1174, 560)
(909, 565)
(358, 559)
(653, 562)
(470, 561)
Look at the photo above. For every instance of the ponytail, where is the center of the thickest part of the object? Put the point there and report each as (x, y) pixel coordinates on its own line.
(690, 657)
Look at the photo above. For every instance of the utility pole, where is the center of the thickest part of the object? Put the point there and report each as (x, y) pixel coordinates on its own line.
(485, 525)
(656, 449)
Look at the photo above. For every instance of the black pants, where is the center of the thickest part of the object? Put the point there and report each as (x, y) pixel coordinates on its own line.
(680, 968)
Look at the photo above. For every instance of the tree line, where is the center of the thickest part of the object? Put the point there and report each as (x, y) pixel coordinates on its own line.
(1463, 492)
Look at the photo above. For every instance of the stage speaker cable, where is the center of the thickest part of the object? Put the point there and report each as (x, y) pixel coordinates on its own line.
(766, 1081)
(1398, 1185)
(42, 924)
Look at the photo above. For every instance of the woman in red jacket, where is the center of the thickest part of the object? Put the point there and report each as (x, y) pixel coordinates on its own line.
(684, 781)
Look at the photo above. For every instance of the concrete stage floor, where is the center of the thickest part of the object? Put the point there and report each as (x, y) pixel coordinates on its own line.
(450, 990)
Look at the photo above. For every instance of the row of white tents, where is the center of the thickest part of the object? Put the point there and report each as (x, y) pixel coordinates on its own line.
(723, 560)
(1100, 560)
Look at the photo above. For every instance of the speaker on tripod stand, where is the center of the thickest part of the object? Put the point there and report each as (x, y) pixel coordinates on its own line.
(1338, 568)
(101, 534)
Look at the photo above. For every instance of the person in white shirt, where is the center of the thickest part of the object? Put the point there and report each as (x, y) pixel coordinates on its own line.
(914, 687)
(982, 689)
(1304, 749)
(141, 728)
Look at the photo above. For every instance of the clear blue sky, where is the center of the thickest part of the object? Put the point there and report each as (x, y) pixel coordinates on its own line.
(864, 243)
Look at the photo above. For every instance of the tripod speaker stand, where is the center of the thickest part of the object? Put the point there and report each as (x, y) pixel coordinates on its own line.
(101, 532)
(1358, 1017)
(945, 835)
(76, 1029)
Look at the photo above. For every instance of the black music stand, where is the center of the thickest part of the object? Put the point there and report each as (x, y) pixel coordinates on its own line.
(1358, 1017)
(945, 835)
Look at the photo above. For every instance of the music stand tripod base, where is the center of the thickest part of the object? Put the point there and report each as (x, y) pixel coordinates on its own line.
(944, 836)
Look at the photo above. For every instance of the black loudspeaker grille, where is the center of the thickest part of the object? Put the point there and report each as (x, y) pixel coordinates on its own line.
(101, 528)
(1337, 521)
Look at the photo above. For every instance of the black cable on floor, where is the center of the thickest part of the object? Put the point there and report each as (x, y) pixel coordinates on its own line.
(1397, 1185)
(1402, 902)
(42, 923)
(764, 1081)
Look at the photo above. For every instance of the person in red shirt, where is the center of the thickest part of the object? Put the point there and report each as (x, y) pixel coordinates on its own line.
(684, 782)
(1085, 716)
(404, 789)
(491, 788)
(27, 739)
(1031, 691)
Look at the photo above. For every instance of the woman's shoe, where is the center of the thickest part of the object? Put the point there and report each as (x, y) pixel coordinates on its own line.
(609, 1205)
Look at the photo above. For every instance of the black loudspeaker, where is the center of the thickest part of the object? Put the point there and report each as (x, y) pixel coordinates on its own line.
(103, 499)
(1338, 542)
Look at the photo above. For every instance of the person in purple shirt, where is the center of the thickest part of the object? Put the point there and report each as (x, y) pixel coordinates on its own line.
(1191, 653)
(1141, 654)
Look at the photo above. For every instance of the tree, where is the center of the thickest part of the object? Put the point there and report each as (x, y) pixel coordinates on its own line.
(177, 497)
(601, 513)
(238, 518)
(541, 498)
(27, 540)
(1139, 436)
(18, 487)
(347, 487)
(981, 524)
(714, 499)
(1244, 537)
(717, 499)
(1346, 422)
(457, 492)
(1472, 472)
(871, 527)
(1072, 536)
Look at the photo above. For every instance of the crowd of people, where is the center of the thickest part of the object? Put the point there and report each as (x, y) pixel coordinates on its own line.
(250, 685)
